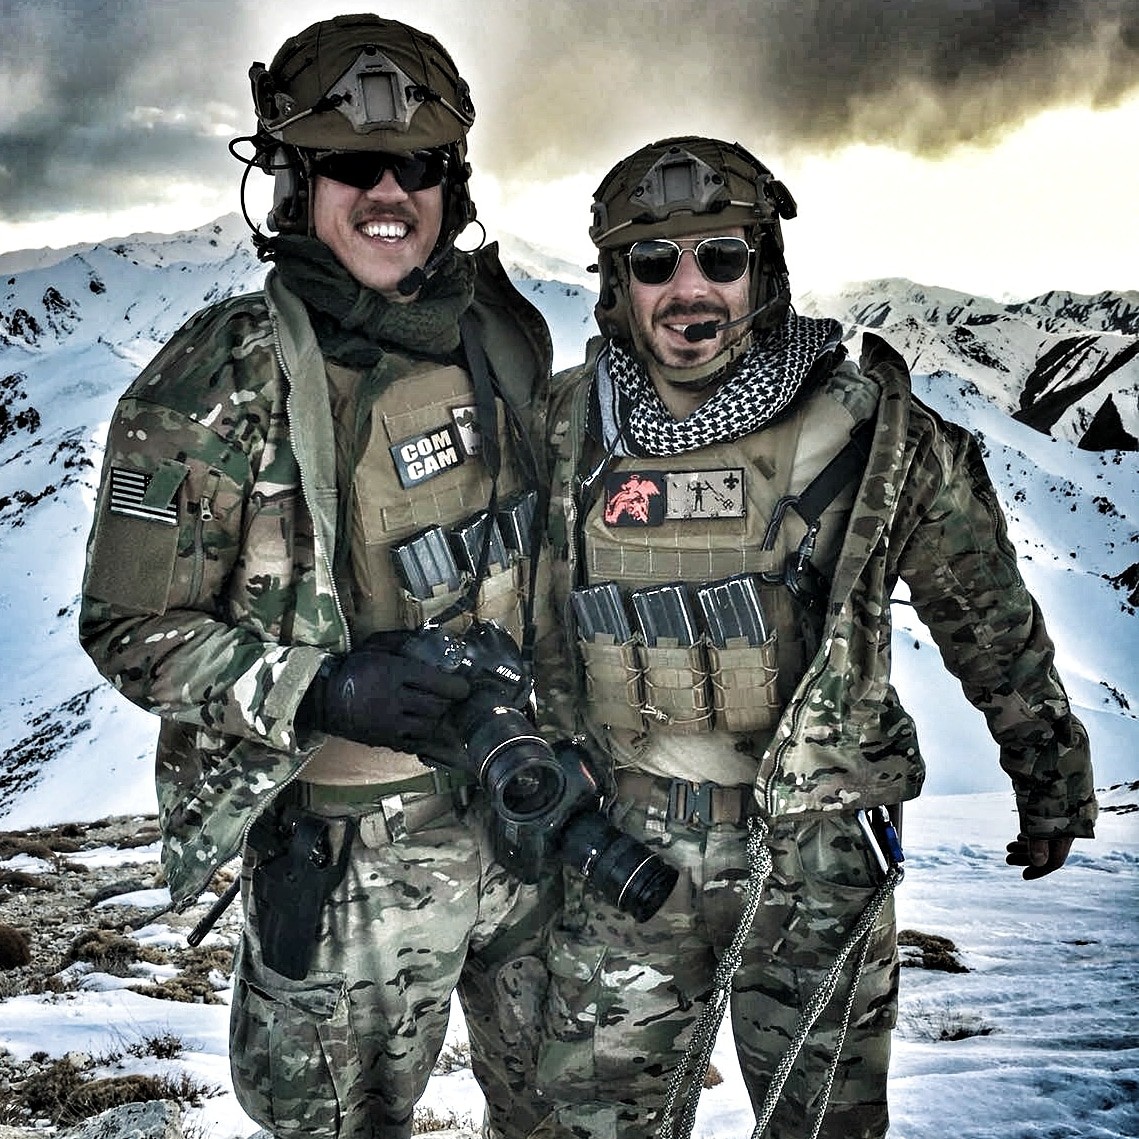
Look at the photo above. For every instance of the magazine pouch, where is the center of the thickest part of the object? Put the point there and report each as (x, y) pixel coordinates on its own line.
(614, 681)
(745, 696)
(676, 686)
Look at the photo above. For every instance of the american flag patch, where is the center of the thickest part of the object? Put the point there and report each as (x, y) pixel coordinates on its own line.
(129, 496)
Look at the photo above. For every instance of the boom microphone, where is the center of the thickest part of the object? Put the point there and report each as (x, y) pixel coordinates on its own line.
(709, 329)
(410, 284)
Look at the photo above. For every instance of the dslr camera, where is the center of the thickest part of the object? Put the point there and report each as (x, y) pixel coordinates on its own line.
(546, 798)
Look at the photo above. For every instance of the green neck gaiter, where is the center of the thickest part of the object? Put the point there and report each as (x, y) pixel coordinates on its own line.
(355, 325)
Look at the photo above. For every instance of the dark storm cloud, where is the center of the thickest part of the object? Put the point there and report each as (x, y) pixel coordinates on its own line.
(921, 75)
(106, 104)
(112, 102)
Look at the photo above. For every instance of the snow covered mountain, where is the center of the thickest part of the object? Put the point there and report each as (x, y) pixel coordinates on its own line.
(1067, 365)
(77, 324)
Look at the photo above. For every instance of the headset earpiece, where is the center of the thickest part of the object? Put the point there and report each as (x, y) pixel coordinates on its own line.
(290, 212)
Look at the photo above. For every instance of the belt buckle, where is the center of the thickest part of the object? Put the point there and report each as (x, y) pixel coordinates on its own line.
(392, 808)
(691, 803)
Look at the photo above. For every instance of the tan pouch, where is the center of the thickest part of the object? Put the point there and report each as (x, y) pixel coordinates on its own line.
(499, 599)
(417, 611)
(676, 687)
(614, 682)
(744, 693)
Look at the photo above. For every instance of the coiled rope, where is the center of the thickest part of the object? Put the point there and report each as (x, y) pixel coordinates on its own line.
(688, 1079)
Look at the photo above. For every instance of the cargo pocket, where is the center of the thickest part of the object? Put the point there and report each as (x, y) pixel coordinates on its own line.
(676, 687)
(293, 1052)
(614, 682)
(566, 1055)
(828, 856)
(745, 697)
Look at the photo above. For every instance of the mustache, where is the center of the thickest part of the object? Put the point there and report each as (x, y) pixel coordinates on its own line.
(369, 213)
(679, 310)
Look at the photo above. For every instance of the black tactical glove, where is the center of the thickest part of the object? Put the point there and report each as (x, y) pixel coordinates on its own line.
(377, 696)
(1038, 856)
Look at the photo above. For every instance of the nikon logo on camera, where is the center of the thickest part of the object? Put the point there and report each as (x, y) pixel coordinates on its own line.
(422, 457)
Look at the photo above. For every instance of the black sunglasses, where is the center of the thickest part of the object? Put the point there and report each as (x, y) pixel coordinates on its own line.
(419, 170)
(721, 259)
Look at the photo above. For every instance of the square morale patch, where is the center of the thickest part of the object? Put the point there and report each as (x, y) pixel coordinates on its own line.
(422, 457)
(634, 498)
(467, 425)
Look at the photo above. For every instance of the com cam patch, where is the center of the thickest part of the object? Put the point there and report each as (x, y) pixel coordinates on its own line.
(426, 456)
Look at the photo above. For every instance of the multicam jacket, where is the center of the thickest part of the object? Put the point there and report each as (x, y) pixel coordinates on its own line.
(925, 512)
(209, 596)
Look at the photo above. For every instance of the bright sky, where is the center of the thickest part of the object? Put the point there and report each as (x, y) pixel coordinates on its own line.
(1053, 206)
(995, 155)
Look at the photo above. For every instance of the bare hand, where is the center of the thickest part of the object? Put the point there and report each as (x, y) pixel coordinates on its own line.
(1038, 856)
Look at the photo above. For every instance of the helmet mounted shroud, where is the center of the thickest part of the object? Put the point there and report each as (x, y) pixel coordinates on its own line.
(359, 82)
(686, 187)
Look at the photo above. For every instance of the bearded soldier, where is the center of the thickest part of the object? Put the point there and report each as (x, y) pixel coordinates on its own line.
(733, 501)
(289, 488)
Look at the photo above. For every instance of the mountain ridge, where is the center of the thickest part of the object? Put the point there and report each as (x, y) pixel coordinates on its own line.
(75, 330)
(1064, 363)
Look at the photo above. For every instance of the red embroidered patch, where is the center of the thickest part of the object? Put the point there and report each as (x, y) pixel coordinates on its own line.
(634, 498)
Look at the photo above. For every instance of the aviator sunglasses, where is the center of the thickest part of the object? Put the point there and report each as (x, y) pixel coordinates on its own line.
(363, 169)
(721, 259)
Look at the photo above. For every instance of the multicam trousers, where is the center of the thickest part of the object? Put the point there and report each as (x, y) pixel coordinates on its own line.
(624, 997)
(347, 1052)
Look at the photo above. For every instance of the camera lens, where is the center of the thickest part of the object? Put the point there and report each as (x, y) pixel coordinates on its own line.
(528, 792)
(517, 768)
(627, 873)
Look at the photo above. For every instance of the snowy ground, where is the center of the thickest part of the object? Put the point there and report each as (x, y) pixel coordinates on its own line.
(1052, 990)
(1054, 978)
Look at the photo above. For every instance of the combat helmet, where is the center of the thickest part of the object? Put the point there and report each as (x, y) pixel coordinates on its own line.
(359, 82)
(686, 186)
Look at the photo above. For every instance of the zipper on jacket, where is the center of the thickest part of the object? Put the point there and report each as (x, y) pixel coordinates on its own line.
(784, 744)
(306, 491)
(205, 514)
(575, 537)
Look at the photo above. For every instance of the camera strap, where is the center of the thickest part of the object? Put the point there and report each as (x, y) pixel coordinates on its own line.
(845, 468)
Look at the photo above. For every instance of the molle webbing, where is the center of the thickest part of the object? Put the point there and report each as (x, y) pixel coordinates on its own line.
(809, 462)
(384, 512)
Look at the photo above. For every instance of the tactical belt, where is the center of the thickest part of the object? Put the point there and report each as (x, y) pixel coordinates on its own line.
(685, 802)
(407, 805)
(440, 781)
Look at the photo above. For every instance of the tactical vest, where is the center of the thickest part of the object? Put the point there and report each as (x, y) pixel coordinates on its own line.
(692, 519)
(420, 465)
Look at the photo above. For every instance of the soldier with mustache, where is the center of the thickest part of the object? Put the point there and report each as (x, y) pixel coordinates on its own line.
(727, 670)
(241, 585)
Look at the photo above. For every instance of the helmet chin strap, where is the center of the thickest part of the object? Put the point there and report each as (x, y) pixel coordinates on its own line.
(418, 277)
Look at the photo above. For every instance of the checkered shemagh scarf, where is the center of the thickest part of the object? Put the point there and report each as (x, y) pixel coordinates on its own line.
(765, 381)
